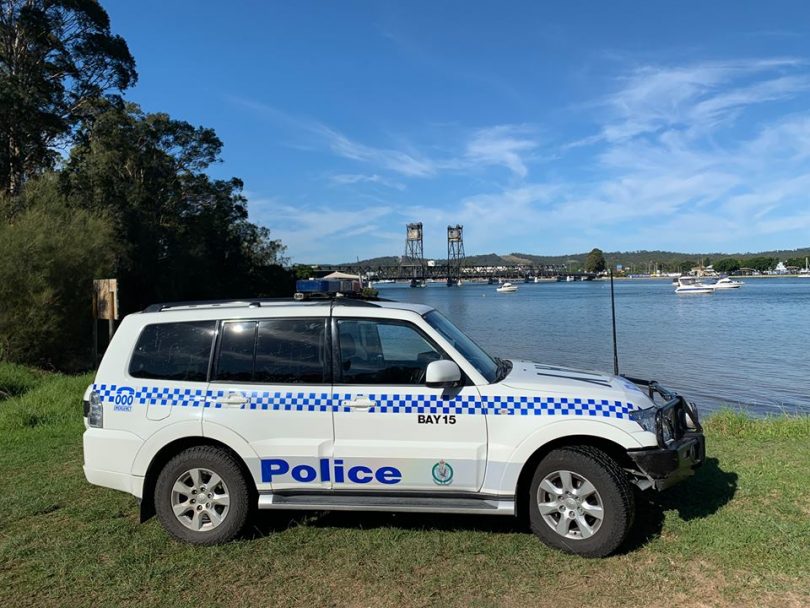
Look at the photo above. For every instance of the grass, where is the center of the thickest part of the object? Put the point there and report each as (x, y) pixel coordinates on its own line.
(736, 534)
(17, 379)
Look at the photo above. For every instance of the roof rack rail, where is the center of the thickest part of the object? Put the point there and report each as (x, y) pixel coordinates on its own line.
(250, 303)
(349, 300)
(358, 301)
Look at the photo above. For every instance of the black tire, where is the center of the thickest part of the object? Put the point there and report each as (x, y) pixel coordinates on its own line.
(224, 465)
(615, 492)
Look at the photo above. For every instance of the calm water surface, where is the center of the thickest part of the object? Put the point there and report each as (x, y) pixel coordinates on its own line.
(747, 347)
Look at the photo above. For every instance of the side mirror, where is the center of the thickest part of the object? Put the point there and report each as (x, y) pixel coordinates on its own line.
(442, 374)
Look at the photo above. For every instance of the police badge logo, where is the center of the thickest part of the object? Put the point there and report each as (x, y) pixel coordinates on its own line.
(442, 473)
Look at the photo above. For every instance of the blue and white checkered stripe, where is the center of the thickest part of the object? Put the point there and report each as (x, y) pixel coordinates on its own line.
(396, 403)
(153, 395)
(522, 405)
(277, 401)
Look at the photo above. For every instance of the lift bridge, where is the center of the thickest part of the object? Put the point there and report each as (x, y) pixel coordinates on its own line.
(455, 269)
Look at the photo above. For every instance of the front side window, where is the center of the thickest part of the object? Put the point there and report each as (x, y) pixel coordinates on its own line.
(476, 355)
(383, 352)
(277, 351)
(174, 351)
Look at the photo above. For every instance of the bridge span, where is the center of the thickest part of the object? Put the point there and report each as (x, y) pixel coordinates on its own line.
(518, 273)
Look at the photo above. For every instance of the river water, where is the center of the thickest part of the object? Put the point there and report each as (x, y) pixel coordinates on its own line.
(746, 348)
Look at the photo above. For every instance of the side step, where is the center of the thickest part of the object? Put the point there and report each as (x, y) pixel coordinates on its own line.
(335, 502)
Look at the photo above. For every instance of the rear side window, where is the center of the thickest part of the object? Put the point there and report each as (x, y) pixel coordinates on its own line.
(174, 351)
(236, 351)
(291, 351)
(277, 351)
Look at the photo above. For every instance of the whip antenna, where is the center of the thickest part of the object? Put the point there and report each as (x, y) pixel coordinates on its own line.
(613, 319)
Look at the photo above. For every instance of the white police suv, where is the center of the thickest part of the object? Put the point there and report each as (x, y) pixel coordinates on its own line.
(204, 411)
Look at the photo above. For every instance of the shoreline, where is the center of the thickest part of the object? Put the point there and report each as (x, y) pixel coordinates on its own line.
(615, 278)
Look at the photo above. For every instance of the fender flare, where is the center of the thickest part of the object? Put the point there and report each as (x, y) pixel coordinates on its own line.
(239, 445)
(189, 429)
(559, 431)
(159, 440)
(178, 436)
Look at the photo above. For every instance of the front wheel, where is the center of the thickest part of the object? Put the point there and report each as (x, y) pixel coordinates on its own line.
(201, 496)
(581, 502)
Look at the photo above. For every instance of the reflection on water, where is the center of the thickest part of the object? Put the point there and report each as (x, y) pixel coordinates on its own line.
(745, 347)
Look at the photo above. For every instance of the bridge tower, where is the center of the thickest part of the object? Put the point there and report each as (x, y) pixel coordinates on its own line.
(414, 257)
(455, 254)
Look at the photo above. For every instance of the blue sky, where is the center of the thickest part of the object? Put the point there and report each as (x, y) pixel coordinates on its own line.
(546, 128)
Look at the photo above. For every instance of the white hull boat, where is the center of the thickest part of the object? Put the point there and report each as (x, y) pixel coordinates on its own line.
(690, 285)
(726, 283)
(507, 288)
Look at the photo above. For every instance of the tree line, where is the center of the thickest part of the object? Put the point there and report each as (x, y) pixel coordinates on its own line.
(91, 186)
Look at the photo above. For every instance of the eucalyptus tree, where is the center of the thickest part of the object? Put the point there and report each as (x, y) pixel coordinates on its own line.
(182, 234)
(57, 57)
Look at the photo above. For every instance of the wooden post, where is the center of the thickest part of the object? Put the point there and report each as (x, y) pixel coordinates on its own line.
(105, 306)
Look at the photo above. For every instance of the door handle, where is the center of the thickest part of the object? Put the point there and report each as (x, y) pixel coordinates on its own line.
(360, 403)
(234, 400)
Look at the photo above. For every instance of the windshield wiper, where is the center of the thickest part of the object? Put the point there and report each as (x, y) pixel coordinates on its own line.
(504, 367)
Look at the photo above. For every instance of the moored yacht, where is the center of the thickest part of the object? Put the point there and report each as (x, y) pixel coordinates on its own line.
(507, 288)
(687, 285)
(727, 283)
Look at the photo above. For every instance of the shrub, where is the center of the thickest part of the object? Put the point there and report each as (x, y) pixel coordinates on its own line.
(49, 256)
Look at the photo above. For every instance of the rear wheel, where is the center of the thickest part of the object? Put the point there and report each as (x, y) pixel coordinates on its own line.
(201, 496)
(581, 501)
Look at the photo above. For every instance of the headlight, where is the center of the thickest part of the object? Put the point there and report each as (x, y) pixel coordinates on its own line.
(646, 420)
(692, 423)
(95, 414)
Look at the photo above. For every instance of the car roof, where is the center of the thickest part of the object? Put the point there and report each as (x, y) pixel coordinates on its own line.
(260, 307)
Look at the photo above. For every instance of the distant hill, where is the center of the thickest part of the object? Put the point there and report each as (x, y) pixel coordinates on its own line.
(635, 261)
(642, 258)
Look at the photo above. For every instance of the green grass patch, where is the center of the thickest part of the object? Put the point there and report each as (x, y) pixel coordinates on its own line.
(17, 379)
(736, 534)
(734, 423)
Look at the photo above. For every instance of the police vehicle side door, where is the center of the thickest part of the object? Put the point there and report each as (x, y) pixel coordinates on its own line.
(385, 417)
(270, 384)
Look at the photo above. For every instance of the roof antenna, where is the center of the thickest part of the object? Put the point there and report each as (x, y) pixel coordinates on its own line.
(613, 315)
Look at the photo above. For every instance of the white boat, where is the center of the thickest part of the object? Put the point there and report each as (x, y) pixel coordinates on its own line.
(727, 283)
(507, 288)
(687, 285)
(569, 279)
(804, 273)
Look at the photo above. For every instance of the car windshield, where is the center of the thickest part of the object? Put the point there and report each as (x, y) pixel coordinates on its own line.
(492, 369)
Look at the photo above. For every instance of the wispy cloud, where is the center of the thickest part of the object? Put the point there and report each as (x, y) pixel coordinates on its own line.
(306, 228)
(349, 179)
(696, 96)
(702, 155)
(397, 161)
(675, 163)
(410, 165)
(505, 145)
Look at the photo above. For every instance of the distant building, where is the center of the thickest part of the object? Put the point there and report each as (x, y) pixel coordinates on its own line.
(703, 271)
